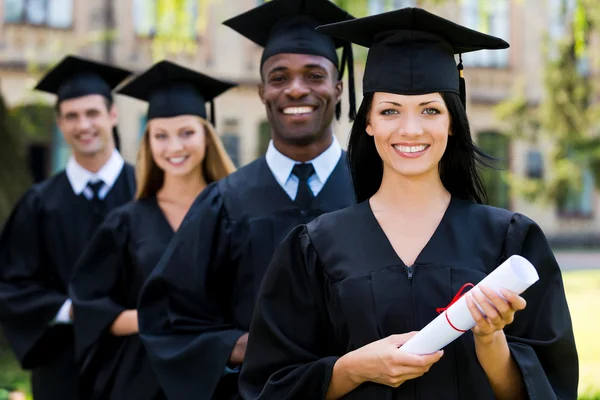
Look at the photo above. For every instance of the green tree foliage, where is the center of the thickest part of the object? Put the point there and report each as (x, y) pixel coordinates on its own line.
(568, 118)
(175, 25)
(14, 178)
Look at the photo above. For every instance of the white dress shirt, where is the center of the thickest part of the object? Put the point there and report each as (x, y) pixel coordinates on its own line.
(79, 177)
(324, 164)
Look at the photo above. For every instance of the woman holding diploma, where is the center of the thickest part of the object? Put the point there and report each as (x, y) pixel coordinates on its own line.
(346, 291)
(179, 155)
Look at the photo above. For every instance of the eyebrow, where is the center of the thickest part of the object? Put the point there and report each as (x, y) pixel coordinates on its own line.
(400, 105)
(277, 69)
(307, 66)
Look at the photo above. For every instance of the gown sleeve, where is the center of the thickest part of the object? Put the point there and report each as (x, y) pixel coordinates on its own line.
(183, 317)
(97, 286)
(288, 356)
(541, 337)
(28, 301)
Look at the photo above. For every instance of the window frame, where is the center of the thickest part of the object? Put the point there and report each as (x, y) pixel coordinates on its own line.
(499, 23)
(194, 35)
(580, 213)
(23, 20)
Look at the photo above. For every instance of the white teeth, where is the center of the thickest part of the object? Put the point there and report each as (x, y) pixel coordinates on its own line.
(298, 110)
(177, 160)
(411, 149)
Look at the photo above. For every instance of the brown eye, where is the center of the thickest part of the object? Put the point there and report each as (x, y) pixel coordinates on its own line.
(277, 78)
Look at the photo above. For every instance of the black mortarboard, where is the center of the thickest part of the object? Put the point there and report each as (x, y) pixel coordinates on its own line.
(411, 51)
(173, 90)
(288, 26)
(75, 77)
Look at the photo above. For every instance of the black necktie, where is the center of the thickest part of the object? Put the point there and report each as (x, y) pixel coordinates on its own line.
(304, 195)
(97, 203)
(96, 187)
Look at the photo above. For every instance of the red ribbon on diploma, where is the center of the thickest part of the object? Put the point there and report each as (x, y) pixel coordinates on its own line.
(457, 297)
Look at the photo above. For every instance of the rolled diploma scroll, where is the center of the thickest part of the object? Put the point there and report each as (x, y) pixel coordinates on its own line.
(516, 274)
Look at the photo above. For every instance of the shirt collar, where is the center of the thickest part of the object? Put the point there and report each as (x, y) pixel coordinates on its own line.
(281, 166)
(79, 177)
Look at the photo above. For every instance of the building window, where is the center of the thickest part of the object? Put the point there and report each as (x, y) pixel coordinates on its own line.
(561, 15)
(579, 201)
(494, 179)
(142, 129)
(60, 151)
(264, 137)
(167, 18)
(535, 164)
(491, 17)
(32, 121)
(37, 159)
(231, 143)
(379, 6)
(50, 13)
(231, 140)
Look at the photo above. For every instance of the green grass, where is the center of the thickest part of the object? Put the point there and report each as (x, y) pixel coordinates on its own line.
(11, 374)
(583, 296)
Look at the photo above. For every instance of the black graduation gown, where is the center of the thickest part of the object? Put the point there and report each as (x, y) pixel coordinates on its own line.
(337, 284)
(200, 298)
(40, 243)
(107, 281)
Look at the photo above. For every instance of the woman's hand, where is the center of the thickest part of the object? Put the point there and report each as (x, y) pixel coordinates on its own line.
(381, 362)
(499, 312)
(384, 362)
(491, 347)
(125, 324)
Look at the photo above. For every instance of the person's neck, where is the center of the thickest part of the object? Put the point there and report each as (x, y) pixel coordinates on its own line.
(93, 162)
(182, 189)
(411, 194)
(303, 153)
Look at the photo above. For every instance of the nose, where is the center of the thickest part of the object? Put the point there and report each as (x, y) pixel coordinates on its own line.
(410, 125)
(175, 145)
(297, 88)
(83, 123)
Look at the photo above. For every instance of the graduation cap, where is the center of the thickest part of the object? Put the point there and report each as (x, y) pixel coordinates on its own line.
(172, 90)
(411, 51)
(76, 77)
(288, 26)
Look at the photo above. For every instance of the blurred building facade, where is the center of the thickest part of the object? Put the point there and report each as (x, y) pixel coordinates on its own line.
(37, 33)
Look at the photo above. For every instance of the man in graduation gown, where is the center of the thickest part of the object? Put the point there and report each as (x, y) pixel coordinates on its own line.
(54, 220)
(196, 307)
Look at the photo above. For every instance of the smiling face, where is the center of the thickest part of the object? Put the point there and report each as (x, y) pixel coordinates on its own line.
(410, 132)
(178, 144)
(86, 123)
(300, 92)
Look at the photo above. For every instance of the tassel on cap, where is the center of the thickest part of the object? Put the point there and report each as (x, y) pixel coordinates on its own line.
(116, 139)
(351, 91)
(213, 120)
(347, 59)
(338, 106)
(461, 82)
